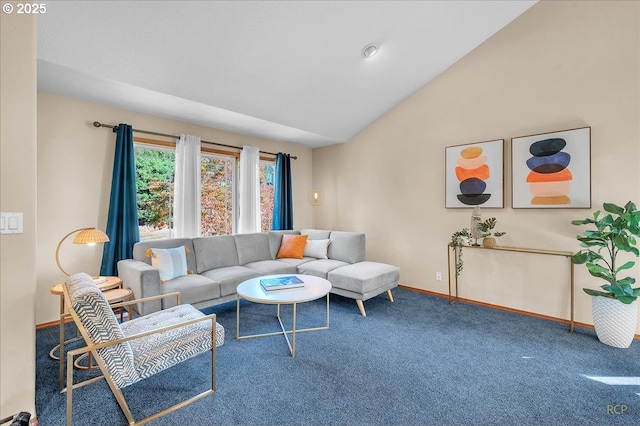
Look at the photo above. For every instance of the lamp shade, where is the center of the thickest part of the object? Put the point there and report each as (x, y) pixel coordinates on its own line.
(90, 236)
(87, 236)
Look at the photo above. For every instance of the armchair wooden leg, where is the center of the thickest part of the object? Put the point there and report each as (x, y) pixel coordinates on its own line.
(390, 295)
(361, 306)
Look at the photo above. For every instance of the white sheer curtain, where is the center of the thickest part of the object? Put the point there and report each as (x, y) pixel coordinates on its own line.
(249, 220)
(186, 190)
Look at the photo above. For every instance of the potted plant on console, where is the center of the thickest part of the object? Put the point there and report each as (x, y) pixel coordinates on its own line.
(489, 237)
(615, 310)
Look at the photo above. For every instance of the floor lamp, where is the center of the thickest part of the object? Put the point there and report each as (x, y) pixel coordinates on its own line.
(89, 236)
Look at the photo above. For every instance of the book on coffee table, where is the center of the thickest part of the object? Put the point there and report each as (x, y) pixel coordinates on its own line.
(281, 283)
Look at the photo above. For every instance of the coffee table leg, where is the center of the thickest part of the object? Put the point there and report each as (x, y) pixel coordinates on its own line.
(237, 317)
(293, 332)
(327, 310)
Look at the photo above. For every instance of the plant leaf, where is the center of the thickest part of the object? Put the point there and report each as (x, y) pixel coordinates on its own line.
(604, 222)
(627, 265)
(586, 256)
(626, 299)
(582, 222)
(599, 271)
(622, 242)
(627, 281)
(612, 208)
(592, 292)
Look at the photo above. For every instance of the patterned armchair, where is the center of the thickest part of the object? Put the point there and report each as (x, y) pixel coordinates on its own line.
(139, 348)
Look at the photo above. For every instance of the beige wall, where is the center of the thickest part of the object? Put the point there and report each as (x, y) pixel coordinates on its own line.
(561, 65)
(18, 194)
(75, 162)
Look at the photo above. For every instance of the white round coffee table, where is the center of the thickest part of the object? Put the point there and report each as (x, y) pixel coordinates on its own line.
(313, 288)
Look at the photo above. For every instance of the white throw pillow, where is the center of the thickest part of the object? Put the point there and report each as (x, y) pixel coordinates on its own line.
(171, 262)
(316, 248)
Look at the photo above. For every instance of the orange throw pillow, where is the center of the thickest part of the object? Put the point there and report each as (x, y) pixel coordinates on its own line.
(292, 246)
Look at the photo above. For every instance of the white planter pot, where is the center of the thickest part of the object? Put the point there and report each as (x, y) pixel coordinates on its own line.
(614, 321)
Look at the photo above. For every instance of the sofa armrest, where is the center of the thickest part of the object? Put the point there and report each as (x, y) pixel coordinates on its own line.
(144, 280)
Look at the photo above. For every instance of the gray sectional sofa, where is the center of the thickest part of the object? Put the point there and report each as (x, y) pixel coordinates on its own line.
(218, 264)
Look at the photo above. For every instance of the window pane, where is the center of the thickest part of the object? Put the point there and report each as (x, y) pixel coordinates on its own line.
(267, 176)
(154, 187)
(218, 194)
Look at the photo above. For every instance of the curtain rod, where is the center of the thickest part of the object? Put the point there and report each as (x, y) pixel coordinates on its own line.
(114, 128)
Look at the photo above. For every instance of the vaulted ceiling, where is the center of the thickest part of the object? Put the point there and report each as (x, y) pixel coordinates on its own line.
(291, 71)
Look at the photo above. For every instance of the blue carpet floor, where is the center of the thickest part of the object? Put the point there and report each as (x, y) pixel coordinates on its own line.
(417, 361)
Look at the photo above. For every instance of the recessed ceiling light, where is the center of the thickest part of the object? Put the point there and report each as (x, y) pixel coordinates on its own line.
(370, 50)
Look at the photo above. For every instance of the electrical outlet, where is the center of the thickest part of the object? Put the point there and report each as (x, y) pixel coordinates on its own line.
(438, 276)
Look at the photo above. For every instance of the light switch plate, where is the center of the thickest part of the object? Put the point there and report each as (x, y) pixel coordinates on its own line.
(10, 223)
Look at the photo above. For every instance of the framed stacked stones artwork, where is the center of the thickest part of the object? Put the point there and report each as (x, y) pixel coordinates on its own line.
(552, 170)
(474, 175)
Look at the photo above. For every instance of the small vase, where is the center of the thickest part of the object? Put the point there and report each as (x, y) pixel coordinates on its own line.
(488, 242)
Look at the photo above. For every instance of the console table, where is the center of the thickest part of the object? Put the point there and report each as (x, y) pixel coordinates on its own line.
(566, 254)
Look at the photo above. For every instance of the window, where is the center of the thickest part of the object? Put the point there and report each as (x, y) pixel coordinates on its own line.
(267, 177)
(154, 186)
(218, 194)
(155, 165)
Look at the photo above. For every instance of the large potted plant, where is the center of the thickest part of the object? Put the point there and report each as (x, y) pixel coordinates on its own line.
(615, 309)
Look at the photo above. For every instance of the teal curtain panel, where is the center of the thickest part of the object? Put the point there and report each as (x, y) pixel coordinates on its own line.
(282, 197)
(122, 221)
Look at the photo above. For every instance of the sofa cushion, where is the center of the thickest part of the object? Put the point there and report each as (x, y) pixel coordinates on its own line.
(296, 262)
(292, 246)
(252, 247)
(364, 277)
(171, 262)
(215, 252)
(193, 288)
(320, 268)
(347, 246)
(275, 238)
(140, 249)
(230, 276)
(153, 354)
(316, 234)
(272, 267)
(317, 248)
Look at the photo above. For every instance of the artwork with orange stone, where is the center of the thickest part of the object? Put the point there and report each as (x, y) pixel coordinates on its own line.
(555, 169)
(474, 175)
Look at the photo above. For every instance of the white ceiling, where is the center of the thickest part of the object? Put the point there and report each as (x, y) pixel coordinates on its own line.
(284, 70)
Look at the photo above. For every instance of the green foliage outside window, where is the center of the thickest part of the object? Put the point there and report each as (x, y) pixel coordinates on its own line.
(155, 185)
(267, 172)
(217, 196)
